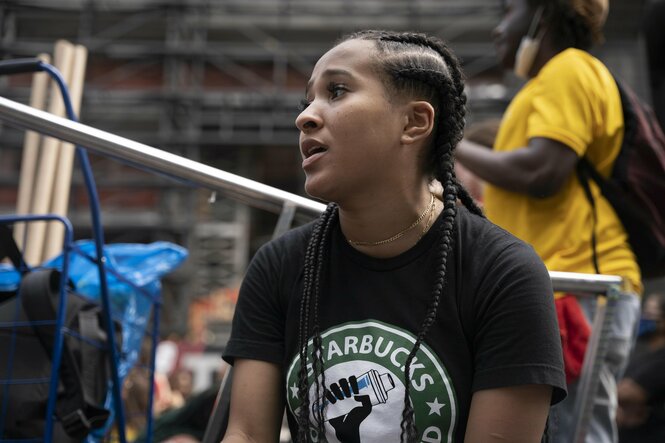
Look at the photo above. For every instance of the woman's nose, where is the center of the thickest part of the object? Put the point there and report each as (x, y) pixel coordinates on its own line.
(308, 119)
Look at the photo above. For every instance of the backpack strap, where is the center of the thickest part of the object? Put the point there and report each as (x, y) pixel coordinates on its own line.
(8, 248)
(90, 328)
(586, 171)
(40, 290)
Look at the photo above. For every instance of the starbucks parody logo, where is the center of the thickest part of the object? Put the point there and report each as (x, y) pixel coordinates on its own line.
(363, 395)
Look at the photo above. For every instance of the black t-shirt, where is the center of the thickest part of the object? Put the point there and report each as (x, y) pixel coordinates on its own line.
(496, 326)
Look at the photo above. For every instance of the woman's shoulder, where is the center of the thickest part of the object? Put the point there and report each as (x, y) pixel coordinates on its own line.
(477, 231)
(280, 259)
(289, 245)
(482, 241)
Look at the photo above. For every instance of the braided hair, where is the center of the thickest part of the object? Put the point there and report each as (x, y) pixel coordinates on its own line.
(415, 66)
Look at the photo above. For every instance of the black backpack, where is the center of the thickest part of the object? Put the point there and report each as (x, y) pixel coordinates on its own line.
(26, 349)
(636, 186)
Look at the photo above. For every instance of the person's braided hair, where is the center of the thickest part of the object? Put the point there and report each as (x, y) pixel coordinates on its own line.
(415, 66)
(314, 256)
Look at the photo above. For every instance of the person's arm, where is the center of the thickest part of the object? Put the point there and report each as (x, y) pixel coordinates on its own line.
(257, 403)
(515, 414)
(538, 170)
(518, 361)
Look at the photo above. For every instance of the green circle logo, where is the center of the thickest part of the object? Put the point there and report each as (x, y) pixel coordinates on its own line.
(363, 396)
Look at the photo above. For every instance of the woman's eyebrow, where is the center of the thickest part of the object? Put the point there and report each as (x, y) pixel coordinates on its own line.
(329, 73)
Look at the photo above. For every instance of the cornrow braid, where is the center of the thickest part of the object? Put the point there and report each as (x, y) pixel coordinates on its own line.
(446, 84)
(313, 265)
(436, 79)
(458, 84)
(440, 81)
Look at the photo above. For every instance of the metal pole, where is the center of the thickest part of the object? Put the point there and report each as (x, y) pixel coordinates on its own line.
(586, 283)
(153, 159)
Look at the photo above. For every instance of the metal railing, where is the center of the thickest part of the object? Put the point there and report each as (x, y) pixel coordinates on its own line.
(153, 159)
(266, 197)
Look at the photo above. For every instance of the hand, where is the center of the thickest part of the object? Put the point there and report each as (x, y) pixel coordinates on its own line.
(347, 427)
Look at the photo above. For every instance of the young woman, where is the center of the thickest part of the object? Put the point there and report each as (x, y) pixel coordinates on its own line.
(397, 316)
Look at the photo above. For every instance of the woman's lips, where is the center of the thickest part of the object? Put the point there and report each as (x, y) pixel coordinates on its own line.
(308, 161)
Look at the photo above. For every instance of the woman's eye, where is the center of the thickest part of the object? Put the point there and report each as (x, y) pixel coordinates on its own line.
(336, 89)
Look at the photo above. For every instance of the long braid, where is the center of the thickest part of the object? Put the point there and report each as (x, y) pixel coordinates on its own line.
(467, 200)
(443, 170)
(317, 348)
(303, 331)
(460, 102)
(314, 259)
(446, 89)
(437, 80)
(460, 105)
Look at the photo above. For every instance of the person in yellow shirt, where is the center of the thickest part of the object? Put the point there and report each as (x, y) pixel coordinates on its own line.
(569, 108)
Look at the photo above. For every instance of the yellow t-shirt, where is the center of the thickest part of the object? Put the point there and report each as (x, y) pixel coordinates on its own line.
(573, 100)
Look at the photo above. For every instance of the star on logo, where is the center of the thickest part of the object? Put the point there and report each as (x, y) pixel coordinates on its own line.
(435, 407)
(294, 390)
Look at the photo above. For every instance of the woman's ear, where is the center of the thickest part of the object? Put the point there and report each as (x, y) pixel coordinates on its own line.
(418, 122)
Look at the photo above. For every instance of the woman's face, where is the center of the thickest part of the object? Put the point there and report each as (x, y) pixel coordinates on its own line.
(349, 131)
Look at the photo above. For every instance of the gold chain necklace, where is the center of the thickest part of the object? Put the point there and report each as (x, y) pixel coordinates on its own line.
(401, 233)
(429, 222)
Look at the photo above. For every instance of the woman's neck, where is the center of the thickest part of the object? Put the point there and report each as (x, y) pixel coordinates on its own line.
(388, 227)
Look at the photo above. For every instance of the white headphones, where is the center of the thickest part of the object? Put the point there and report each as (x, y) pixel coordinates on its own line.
(529, 46)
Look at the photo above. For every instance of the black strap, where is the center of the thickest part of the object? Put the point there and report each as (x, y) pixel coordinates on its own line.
(90, 329)
(39, 292)
(585, 170)
(8, 248)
